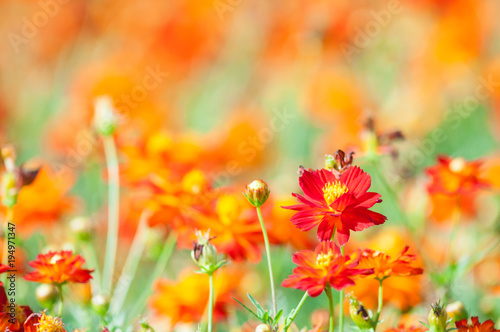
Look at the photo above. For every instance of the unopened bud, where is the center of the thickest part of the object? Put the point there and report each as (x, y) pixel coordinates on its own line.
(438, 317)
(100, 304)
(105, 116)
(204, 254)
(257, 193)
(81, 227)
(263, 328)
(9, 188)
(47, 295)
(359, 314)
(456, 310)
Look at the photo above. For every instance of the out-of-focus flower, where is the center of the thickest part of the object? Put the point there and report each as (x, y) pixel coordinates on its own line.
(186, 300)
(41, 322)
(47, 295)
(6, 321)
(475, 326)
(454, 185)
(403, 328)
(233, 224)
(257, 193)
(457, 311)
(336, 204)
(58, 268)
(384, 266)
(324, 266)
(44, 201)
(106, 118)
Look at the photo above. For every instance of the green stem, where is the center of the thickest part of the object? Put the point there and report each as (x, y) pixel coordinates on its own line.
(131, 264)
(341, 302)
(210, 303)
(113, 211)
(165, 255)
(91, 256)
(59, 286)
(296, 311)
(380, 303)
(329, 294)
(269, 264)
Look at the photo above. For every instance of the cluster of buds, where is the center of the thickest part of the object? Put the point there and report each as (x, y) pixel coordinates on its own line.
(257, 193)
(14, 178)
(361, 316)
(339, 162)
(438, 318)
(106, 117)
(204, 254)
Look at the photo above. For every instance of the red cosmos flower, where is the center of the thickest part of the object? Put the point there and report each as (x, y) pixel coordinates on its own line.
(6, 322)
(488, 326)
(58, 267)
(332, 203)
(325, 265)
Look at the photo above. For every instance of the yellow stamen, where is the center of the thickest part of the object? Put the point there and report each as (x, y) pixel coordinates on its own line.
(50, 324)
(324, 260)
(333, 190)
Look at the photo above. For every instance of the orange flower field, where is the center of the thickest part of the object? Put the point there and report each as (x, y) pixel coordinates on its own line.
(254, 166)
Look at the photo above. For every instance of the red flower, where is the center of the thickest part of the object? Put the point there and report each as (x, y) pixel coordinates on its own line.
(325, 265)
(58, 267)
(488, 326)
(342, 204)
(3, 268)
(6, 322)
(402, 328)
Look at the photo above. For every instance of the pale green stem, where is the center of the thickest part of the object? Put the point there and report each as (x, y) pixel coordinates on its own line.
(90, 254)
(131, 264)
(341, 301)
(113, 211)
(269, 264)
(210, 303)
(380, 303)
(329, 294)
(165, 255)
(296, 311)
(59, 286)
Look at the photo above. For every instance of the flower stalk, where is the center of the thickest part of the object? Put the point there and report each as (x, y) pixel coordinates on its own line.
(329, 294)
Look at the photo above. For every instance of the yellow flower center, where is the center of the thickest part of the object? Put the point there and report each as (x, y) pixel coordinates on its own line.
(332, 191)
(50, 324)
(324, 260)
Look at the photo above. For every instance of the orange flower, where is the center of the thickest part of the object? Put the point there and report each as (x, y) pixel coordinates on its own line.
(455, 183)
(234, 224)
(186, 300)
(402, 328)
(58, 267)
(488, 326)
(22, 312)
(384, 267)
(43, 201)
(322, 267)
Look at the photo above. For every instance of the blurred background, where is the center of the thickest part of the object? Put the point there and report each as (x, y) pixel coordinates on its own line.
(251, 89)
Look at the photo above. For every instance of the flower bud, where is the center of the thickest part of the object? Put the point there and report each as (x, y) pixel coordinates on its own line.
(257, 193)
(456, 310)
(204, 254)
(100, 304)
(81, 227)
(263, 328)
(359, 314)
(105, 116)
(438, 317)
(47, 295)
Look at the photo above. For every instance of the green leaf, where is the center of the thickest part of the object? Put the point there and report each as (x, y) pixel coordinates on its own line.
(247, 308)
(255, 303)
